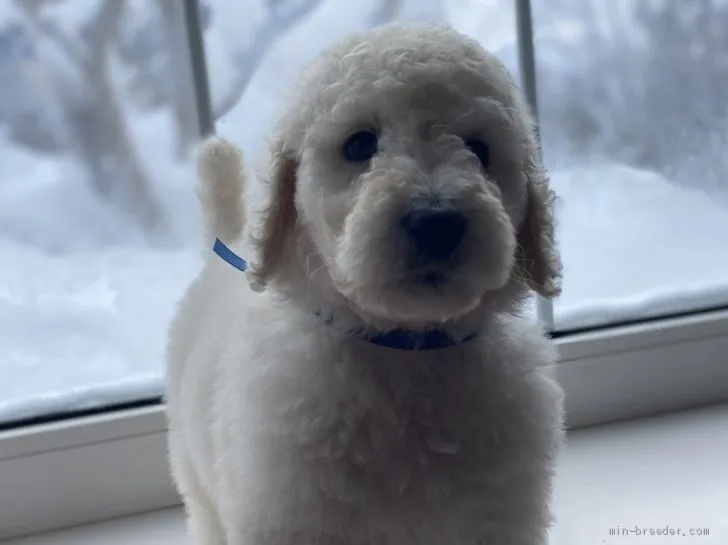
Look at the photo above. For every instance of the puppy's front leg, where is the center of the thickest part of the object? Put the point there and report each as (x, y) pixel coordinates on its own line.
(204, 524)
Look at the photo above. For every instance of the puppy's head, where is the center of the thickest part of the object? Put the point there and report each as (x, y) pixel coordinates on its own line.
(406, 178)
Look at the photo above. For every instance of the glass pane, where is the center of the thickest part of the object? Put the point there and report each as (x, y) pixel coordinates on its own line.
(634, 120)
(97, 212)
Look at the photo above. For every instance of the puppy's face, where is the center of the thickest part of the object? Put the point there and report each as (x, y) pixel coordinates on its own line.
(408, 153)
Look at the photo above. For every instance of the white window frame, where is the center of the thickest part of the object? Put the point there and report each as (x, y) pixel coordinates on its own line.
(112, 464)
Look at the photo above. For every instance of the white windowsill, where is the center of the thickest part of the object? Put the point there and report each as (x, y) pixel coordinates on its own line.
(667, 471)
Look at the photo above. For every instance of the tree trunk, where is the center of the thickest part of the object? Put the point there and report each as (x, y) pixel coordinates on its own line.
(104, 145)
(182, 87)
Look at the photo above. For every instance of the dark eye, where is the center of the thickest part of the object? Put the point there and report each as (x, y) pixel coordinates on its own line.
(361, 146)
(480, 149)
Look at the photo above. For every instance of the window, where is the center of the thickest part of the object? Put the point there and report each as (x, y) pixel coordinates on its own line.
(98, 124)
(104, 101)
(635, 127)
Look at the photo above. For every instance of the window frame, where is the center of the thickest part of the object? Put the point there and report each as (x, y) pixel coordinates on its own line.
(95, 467)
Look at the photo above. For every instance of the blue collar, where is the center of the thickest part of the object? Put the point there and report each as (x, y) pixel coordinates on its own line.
(404, 339)
(399, 339)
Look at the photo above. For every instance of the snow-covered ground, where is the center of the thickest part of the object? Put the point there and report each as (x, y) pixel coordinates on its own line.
(85, 302)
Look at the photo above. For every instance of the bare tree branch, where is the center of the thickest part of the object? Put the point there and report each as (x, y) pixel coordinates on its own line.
(98, 132)
(117, 159)
(104, 26)
(276, 25)
(40, 28)
(182, 95)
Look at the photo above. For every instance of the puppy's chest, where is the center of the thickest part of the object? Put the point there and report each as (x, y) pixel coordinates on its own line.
(389, 453)
(421, 443)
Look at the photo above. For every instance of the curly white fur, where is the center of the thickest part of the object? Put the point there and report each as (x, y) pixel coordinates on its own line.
(286, 429)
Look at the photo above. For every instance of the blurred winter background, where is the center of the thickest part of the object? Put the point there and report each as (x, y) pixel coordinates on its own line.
(98, 218)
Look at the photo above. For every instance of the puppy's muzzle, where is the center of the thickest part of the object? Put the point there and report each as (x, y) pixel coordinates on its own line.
(435, 231)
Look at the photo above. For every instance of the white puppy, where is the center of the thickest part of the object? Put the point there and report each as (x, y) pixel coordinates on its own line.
(383, 389)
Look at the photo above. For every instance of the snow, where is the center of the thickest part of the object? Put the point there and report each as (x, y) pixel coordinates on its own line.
(85, 300)
(99, 338)
(636, 246)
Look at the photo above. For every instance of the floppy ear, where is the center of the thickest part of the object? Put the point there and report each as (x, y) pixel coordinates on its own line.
(538, 257)
(278, 217)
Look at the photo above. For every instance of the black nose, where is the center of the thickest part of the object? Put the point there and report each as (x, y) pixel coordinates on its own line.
(435, 233)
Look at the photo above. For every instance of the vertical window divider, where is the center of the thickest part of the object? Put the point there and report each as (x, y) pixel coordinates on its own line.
(527, 70)
(198, 65)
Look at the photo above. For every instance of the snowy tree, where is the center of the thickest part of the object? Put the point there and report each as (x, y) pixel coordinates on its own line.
(643, 82)
(93, 126)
